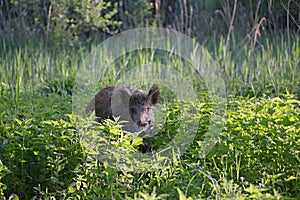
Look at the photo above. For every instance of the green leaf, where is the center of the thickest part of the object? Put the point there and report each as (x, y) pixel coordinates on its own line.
(291, 178)
(71, 189)
(137, 141)
(293, 101)
(13, 197)
(182, 196)
(288, 121)
(19, 122)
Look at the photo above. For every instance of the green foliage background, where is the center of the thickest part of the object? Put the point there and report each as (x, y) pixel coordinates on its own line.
(256, 48)
(80, 20)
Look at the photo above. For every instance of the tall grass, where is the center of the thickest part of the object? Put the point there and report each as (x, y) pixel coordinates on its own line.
(50, 141)
(26, 67)
(273, 68)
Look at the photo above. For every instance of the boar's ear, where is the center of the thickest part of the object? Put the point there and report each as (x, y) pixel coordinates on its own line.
(153, 95)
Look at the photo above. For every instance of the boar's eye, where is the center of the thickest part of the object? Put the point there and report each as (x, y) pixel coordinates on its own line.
(148, 109)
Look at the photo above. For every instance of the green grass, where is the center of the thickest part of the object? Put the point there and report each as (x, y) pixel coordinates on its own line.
(256, 156)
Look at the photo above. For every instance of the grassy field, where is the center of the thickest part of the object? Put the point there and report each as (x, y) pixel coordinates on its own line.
(256, 155)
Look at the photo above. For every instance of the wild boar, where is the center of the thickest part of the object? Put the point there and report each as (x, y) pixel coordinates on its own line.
(131, 105)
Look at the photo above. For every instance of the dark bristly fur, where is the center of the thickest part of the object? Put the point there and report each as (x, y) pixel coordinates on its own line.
(131, 105)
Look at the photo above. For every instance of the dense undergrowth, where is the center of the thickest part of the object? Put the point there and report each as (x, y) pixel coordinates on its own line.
(256, 155)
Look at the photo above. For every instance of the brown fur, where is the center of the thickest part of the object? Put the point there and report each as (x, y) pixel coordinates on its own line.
(131, 105)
